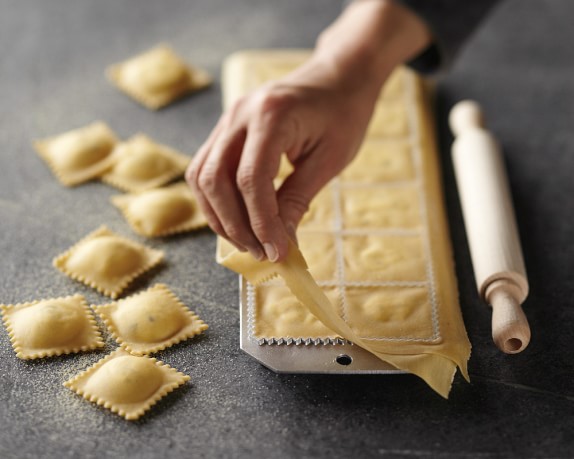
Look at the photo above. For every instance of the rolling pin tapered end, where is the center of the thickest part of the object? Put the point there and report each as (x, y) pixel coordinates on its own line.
(510, 329)
(465, 115)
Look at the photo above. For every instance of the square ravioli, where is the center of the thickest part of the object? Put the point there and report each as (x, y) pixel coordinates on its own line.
(381, 208)
(390, 312)
(394, 87)
(386, 258)
(278, 314)
(157, 77)
(150, 321)
(161, 211)
(142, 164)
(54, 326)
(79, 155)
(321, 213)
(381, 161)
(389, 119)
(107, 262)
(320, 254)
(126, 384)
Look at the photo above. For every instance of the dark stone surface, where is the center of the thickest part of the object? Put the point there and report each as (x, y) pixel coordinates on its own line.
(520, 66)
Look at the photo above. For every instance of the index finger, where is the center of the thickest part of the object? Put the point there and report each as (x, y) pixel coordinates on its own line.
(266, 141)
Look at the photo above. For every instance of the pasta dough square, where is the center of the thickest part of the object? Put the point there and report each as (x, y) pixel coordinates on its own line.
(126, 384)
(319, 252)
(278, 314)
(389, 119)
(150, 321)
(381, 208)
(321, 214)
(390, 312)
(107, 262)
(384, 258)
(49, 327)
(161, 211)
(143, 164)
(380, 161)
(79, 155)
(157, 77)
(394, 87)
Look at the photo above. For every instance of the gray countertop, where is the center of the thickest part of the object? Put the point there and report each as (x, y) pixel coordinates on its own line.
(520, 66)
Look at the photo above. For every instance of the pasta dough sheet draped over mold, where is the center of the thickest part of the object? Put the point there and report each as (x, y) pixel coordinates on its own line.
(375, 263)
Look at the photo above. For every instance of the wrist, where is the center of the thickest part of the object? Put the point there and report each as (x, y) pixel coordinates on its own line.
(368, 41)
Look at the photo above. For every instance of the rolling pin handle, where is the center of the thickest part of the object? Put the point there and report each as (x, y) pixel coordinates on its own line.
(466, 115)
(510, 329)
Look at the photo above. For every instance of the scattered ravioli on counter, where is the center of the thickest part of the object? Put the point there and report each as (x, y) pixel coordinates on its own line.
(150, 321)
(50, 327)
(142, 164)
(107, 262)
(161, 211)
(126, 384)
(79, 155)
(157, 77)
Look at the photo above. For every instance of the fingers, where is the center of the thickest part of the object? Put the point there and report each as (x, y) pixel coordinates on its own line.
(217, 182)
(192, 178)
(232, 177)
(233, 172)
(267, 139)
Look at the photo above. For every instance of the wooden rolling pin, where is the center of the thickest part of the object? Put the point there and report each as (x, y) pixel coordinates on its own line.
(490, 225)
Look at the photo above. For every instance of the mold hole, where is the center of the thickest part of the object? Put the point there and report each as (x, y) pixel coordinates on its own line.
(344, 359)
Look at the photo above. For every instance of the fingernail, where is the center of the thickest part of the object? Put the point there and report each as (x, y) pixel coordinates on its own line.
(270, 251)
(257, 253)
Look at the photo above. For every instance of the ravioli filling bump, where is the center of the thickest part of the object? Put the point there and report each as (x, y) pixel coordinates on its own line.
(150, 321)
(126, 384)
(51, 327)
(107, 262)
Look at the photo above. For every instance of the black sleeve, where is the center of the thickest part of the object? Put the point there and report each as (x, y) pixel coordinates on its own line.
(451, 22)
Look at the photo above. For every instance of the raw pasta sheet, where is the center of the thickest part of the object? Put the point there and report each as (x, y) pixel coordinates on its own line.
(375, 241)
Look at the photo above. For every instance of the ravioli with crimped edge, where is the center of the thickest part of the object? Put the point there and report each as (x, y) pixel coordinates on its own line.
(161, 211)
(79, 155)
(157, 77)
(126, 384)
(150, 321)
(50, 327)
(107, 262)
(142, 164)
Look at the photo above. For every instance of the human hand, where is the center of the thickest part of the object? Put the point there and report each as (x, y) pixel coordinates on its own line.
(317, 115)
(314, 116)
